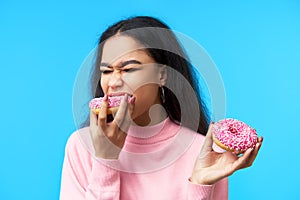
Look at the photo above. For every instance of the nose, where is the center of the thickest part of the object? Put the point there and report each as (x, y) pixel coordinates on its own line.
(115, 80)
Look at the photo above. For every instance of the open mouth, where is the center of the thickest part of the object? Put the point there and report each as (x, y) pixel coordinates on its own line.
(114, 100)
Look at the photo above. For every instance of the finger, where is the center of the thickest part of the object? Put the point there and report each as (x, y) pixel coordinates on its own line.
(208, 142)
(121, 111)
(127, 121)
(242, 161)
(255, 151)
(260, 140)
(102, 116)
(131, 104)
(93, 118)
(247, 159)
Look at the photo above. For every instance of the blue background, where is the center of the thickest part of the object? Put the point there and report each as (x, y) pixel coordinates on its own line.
(255, 45)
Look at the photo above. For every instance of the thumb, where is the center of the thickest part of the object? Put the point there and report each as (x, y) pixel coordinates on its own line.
(208, 142)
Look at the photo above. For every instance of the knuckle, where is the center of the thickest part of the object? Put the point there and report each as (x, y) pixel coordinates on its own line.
(104, 105)
(101, 117)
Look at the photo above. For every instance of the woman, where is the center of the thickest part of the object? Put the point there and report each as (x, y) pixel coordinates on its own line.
(154, 146)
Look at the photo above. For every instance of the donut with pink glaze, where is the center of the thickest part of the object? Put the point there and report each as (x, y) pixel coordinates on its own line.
(113, 104)
(234, 135)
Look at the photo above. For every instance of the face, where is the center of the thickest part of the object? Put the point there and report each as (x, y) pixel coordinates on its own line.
(125, 68)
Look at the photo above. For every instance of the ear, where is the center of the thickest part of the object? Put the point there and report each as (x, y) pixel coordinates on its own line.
(163, 75)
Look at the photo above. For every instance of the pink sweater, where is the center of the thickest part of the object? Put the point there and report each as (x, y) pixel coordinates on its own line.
(156, 163)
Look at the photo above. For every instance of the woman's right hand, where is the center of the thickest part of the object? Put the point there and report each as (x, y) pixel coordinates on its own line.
(109, 138)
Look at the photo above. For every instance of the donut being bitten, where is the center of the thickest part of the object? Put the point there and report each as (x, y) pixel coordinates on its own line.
(234, 135)
(113, 104)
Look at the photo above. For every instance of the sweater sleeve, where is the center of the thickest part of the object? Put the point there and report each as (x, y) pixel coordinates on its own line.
(84, 177)
(218, 191)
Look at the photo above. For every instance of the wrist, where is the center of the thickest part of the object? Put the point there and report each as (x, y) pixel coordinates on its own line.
(198, 181)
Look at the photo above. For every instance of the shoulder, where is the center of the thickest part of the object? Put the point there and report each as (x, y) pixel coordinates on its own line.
(78, 145)
(75, 139)
(187, 137)
(77, 165)
(198, 138)
(192, 140)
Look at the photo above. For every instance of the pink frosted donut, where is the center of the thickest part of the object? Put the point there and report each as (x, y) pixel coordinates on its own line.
(113, 104)
(234, 135)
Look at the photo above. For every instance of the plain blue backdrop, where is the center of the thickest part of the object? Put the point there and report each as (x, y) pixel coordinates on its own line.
(255, 45)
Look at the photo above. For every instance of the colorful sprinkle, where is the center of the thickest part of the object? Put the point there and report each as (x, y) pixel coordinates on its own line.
(112, 102)
(234, 134)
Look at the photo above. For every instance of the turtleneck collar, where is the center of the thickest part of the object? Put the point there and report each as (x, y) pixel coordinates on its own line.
(144, 139)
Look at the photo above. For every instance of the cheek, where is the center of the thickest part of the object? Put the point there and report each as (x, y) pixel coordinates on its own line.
(141, 79)
(103, 84)
(146, 96)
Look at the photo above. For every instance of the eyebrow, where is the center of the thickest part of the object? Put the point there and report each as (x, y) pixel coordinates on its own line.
(123, 64)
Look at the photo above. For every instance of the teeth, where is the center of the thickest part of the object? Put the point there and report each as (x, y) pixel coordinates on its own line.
(120, 95)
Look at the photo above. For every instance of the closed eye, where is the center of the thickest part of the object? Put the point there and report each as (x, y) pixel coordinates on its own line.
(130, 69)
(125, 66)
(106, 71)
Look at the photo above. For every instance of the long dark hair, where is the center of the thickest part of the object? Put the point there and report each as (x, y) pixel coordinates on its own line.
(161, 44)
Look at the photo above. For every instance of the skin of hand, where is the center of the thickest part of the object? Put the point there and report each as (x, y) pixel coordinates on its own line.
(212, 166)
(108, 138)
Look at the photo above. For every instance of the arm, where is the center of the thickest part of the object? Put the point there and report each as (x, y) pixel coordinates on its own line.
(83, 177)
(218, 191)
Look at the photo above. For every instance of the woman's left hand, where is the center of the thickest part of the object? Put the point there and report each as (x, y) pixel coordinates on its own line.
(212, 166)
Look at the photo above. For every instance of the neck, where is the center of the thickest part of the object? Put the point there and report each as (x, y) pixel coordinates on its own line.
(155, 115)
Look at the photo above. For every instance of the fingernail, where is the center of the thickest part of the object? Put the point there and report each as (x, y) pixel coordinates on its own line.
(262, 138)
(132, 100)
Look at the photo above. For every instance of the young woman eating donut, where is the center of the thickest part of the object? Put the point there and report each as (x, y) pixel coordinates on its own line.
(154, 145)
